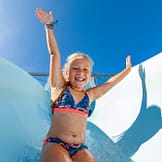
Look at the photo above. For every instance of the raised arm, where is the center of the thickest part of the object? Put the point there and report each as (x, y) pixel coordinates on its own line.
(55, 72)
(103, 88)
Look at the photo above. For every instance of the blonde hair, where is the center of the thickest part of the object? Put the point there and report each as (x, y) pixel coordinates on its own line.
(77, 55)
(69, 60)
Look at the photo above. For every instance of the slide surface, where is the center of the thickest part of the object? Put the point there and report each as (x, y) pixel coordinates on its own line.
(126, 122)
(130, 114)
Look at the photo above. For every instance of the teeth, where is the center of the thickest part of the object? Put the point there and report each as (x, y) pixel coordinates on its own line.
(79, 78)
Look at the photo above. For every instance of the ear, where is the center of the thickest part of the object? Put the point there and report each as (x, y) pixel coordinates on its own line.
(67, 74)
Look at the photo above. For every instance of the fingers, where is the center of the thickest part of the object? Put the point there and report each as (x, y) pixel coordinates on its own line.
(50, 13)
(128, 62)
(40, 13)
(128, 59)
(44, 17)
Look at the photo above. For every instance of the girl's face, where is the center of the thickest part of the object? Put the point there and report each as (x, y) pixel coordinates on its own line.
(79, 73)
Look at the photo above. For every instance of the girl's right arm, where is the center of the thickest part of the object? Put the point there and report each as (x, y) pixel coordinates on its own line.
(55, 72)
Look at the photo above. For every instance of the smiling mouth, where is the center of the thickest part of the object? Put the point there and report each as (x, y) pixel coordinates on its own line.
(80, 79)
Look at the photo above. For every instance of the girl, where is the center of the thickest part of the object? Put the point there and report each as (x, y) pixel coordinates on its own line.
(70, 102)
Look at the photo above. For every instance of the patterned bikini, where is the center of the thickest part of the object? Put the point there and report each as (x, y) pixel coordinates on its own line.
(66, 103)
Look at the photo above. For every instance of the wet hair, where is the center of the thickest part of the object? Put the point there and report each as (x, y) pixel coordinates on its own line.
(77, 55)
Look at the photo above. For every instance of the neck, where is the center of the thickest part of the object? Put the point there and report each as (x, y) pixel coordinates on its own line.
(77, 89)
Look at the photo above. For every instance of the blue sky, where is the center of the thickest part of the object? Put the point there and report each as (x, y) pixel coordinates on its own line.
(107, 30)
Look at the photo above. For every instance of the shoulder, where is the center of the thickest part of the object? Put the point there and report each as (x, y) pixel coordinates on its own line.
(89, 92)
(98, 91)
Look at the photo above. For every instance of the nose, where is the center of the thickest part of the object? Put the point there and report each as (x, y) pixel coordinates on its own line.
(80, 71)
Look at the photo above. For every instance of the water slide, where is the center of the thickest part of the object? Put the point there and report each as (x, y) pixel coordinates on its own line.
(125, 125)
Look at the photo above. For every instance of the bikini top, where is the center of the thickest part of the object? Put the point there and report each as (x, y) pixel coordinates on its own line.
(66, 102)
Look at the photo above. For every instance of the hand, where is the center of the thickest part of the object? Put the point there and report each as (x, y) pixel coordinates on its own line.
(44, 17)
(128, 63)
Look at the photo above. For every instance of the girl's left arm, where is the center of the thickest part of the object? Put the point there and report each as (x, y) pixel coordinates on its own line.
(100, 90)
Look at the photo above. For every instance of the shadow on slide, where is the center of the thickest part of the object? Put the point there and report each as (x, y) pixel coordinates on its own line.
(146, 125)
(25, 119)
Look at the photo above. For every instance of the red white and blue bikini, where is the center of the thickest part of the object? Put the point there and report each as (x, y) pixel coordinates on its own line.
(66, 102)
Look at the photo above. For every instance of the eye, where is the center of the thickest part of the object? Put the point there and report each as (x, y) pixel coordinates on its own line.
(75, 68)
(86, 70)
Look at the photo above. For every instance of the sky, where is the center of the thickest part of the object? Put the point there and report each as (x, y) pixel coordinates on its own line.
(107, 30)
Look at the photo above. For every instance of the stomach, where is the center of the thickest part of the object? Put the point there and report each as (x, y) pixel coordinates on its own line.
(70, 127)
